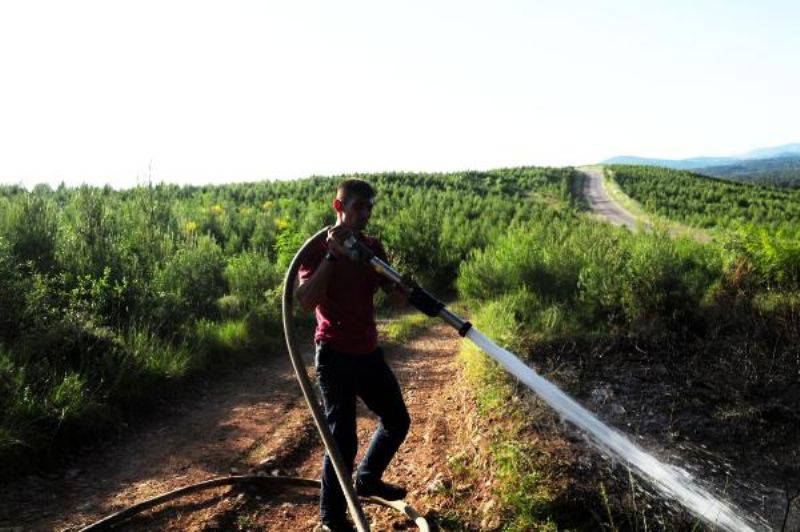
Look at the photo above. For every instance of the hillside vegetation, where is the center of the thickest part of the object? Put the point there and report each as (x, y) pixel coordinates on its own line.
(761, 223)
(106, 296)
(707, 202)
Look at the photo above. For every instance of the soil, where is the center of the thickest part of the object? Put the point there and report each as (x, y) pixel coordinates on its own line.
(243, 422)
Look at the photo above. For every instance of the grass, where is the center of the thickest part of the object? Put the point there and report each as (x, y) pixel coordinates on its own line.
(524, 495)
(406, 326)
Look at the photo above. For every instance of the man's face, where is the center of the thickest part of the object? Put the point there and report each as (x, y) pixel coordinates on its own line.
(354, 211)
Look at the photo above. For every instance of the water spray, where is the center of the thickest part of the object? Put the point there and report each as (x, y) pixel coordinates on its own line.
(671, 481)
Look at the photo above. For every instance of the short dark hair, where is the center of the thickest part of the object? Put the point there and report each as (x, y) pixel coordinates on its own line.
(354, 187)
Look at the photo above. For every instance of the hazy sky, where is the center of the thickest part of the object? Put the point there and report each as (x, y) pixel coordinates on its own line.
(107, 92)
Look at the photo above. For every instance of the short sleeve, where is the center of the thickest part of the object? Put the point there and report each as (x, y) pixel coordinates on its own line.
(310, 262)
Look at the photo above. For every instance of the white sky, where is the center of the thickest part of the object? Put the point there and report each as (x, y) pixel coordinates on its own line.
(198, 92)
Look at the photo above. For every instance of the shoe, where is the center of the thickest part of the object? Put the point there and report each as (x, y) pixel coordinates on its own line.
(381, 490)
(337, 526)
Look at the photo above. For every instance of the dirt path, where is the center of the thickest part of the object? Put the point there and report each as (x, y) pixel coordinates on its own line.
(228, 423)
(601, 203)
(232, 425)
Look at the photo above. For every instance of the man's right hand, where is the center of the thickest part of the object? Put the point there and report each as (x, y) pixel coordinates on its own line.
(335, 240)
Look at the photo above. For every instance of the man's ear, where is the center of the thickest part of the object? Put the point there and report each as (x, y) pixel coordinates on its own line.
(337, 205)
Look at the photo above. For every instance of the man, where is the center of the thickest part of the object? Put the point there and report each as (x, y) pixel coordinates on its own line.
(349, 362)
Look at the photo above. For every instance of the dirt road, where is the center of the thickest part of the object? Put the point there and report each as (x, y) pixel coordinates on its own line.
(230, 426)
(600, 202)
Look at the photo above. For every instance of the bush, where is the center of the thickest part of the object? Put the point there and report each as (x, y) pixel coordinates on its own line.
(11, 293)
(139, 363)
(250, 276)
(529, 257)
(30, 225)
(666, 279)
(774, 256)
(191, 281)
(413, 240)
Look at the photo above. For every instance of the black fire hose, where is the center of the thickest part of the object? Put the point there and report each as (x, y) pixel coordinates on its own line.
(418, 297)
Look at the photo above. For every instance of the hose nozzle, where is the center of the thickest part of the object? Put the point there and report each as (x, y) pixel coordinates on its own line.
(356, 250)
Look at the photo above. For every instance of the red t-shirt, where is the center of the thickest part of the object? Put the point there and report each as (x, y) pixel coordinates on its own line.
(346, 313)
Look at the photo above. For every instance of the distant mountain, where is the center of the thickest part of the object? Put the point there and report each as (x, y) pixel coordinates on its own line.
(781, 171)
(678, 164)
(695, 163)
(777, 151)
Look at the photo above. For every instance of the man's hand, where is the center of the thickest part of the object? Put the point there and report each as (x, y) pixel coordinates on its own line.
(335, 240)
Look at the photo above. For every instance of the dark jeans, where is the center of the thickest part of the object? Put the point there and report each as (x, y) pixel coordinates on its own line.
(342, 378)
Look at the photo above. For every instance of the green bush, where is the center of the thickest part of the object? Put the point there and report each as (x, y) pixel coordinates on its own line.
(139, 363)
(250, 275)
(70, 397)
(11, 292)
(775, 256)
(665, 279)
(192, 281)
(529, 257)
(30, 226)
(90, 235)
(413, 239)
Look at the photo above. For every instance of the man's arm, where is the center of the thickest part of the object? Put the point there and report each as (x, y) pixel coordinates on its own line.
(311, 291)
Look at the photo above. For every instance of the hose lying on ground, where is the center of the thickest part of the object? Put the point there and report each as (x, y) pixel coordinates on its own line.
(252, 480)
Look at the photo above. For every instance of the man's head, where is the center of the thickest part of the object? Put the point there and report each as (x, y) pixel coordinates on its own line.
(353, 203)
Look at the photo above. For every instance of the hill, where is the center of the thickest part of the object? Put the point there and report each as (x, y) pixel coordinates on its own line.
(708, 202)
(781, 171)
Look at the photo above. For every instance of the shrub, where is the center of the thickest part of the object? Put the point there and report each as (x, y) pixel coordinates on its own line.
(192, 281)
(666, 279)
(775, 256)
(413, 239)
(250, 276)
(11, 293)
(527, 257)
(30, 225)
